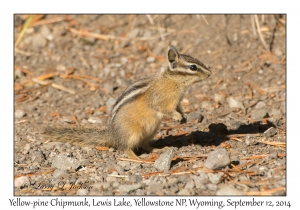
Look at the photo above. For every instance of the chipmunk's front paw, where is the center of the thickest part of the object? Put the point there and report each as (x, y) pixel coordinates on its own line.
(178, 117)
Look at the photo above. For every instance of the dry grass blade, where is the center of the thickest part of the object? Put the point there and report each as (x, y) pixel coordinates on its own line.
(277, 144)
(20, 121)
(259, 33)
(26, 25)
(47, 21)
(35, 174)
(257, 89)
(102, 148)
(92, 86)
(89, 34)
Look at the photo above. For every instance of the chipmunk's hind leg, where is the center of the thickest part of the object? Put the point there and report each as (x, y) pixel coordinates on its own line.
(131, 154)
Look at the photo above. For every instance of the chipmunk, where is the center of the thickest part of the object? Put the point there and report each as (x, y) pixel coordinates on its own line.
(138, 112)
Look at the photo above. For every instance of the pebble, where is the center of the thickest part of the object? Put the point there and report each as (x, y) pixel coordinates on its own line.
(215, 178)
(150, 59)
(229, 190)
(65, 163)
(219, 97)
(195, 116)
(216, 159)
(38, 41)
(234, 103)
(184, 192)
(37, 156)
(60, 173)
(259, 114)
(172, 180)
(189, 185)
(95, 120)
(111, 179)
(276, 113)
(164, 161)
(207, 105)
(26, 149)
(82, 192)
(22, 181)
(260, 105)
(155, 187)
(19, 113)
(250, 140)
(270, 132)
(129, 188)
(134, 178)
(212, 187)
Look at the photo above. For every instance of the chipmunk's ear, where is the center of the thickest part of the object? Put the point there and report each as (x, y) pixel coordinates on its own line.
(173, 57)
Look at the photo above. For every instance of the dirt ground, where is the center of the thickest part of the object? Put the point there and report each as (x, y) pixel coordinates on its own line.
(70, 68)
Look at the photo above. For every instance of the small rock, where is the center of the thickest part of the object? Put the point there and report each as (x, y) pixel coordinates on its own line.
(111, 179)
(26, 149)
(37, 156)
(38, 41)
(189, 185)
(65, 163)
(219, 98)
(134, 178)
(195, 116)
(172, 181)
(233, 103)
(19, 113)
(212, 187)
(259, 114)
(229, 190)
(95, 120)
(124, 60)
(270, 132)
(184, 192)
(111, 149)
(217, 159)
(260, 105)
(276, 113)
(164, 161)
(22, 181)
(61, 67)
(129, 188)
(109, 104)
(134, 33)
(215, 178)
(250, 140)
(59, 173)
(155, 187)
(263, 98)
(45, 31)
(233, 124)
(207, 105)
(150, 59)
(82, 192)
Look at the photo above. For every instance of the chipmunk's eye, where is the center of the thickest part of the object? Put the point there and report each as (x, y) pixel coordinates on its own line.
(193, 67)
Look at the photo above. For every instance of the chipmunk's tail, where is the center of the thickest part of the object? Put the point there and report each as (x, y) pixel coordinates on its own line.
(81, 136)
